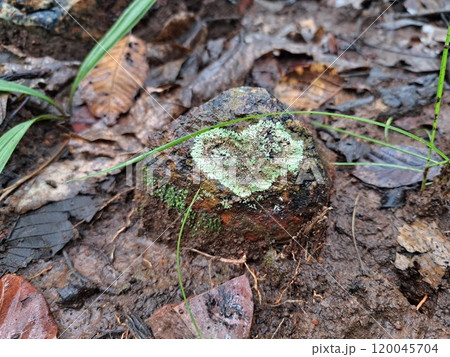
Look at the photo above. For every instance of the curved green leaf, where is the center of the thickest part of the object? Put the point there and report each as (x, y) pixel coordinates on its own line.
(12, 87)
(129, 18)
(10, 139)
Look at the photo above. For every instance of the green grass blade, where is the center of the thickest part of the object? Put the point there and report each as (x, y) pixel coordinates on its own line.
(180, 280)
(10, 139)
(12, 87)
(258, 116)
(366, 138)
(437, 106)
(127, 20)
(394, 166)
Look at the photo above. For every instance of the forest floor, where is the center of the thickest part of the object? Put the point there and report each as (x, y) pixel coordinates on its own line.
(357, 286)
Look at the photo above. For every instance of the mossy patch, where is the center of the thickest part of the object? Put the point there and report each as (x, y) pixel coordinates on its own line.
(173, 197)
(177, 199)
(249, 161)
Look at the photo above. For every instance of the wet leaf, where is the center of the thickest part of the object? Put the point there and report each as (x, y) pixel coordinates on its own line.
(430, 249)
(3, 105)
(44, 232)
(223, 312)
(24, 313)
(305, 88)
(110, 88)
(389, 177)
(426, 6)
(129, 18)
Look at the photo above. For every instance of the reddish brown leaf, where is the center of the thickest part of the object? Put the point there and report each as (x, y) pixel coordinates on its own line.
(24, 313)
(109, 89)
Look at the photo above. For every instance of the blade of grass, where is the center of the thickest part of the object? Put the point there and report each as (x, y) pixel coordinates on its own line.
(259, 116)
(10, 139)
(180, 280)
(375, 141)
(12, 87)
(377, 164)
(127, 20)
(437, 107)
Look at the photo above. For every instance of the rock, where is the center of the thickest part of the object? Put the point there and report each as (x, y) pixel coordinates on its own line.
(223, 312)
(261, 181)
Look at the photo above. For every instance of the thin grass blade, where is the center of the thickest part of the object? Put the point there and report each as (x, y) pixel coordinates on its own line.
(259, 116)
(12, 87)
(180, 279)
(10, 139)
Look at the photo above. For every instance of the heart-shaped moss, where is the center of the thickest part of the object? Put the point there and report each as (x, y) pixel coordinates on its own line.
(249, 161)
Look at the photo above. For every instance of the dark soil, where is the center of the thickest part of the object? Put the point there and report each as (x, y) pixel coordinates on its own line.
(132, 272)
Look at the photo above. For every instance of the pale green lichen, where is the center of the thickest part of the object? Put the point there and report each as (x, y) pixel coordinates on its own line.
(249, 161)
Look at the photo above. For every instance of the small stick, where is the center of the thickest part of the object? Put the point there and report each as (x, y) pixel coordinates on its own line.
(6, 191)
(40, 273)
(353, 232)
(255, 286)
(419, 305)
(220, 259)
(279, 325)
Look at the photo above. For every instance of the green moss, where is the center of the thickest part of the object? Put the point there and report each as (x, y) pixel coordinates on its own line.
(201, 222)
(249, 161)
(175, 198)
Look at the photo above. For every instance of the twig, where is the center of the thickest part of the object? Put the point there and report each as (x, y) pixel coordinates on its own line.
(289, 285)
(255, 285)
(220, 259)
(279, 325)
(14, 113)
(287, 302)
(6, 191)
(419, 305)
(126, 226)
(40, 273)
(353, 233)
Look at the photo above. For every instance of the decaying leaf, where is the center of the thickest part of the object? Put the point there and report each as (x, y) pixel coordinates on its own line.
(24, 313)
(109, 89)
(430, 251)
(3, 103)
(389, 177)
(305, 88)
(43, 232)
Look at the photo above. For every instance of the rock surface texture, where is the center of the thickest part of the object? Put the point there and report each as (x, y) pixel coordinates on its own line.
(261, 182)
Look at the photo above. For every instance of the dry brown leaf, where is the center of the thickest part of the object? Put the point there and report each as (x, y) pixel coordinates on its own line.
(24, 313)
(109, 89)
(306, 88)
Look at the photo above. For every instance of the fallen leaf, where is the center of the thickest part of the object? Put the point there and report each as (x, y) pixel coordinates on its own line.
(388, 177)
(3, 103)
(305, 88)
(109, 89)
(24, 313)
(44, 232)
(417, 7)
(222, 312)
(430, 251)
